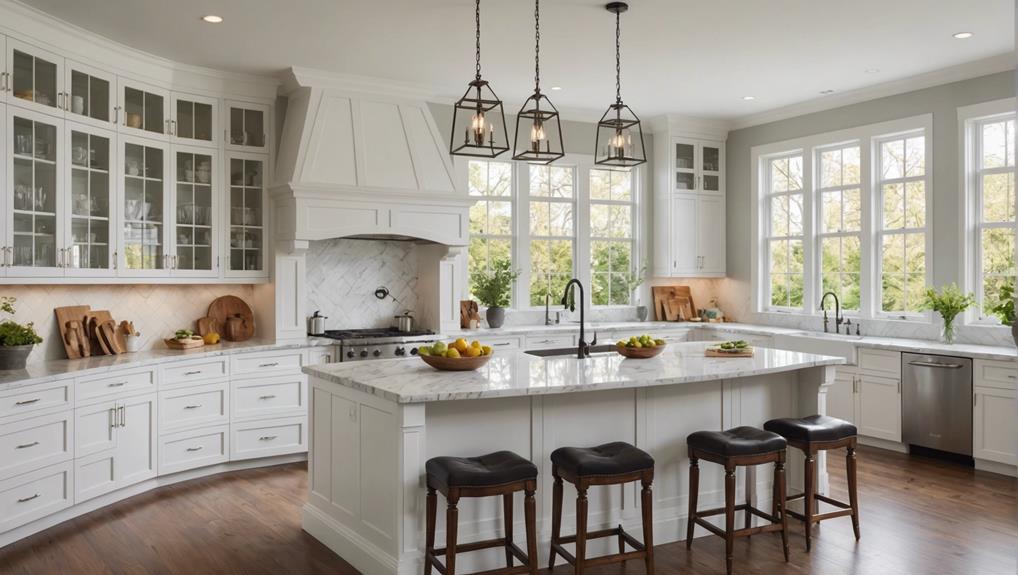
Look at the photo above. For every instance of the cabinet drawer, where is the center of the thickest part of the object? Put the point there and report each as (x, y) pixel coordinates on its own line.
(268, 437)
(112, 384)
(887, 363)
(999, 374)
(550, 341)
(36, 442)
(290, 361)
(34, 495)
(195, 371)
(37, 397)
(270, 397)
(192, 406)
(194, 448)
(507, 343)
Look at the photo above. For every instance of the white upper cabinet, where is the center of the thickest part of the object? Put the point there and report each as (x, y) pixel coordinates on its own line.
(194, 212)
(35, 78)
(143, 109)
(683, 237)
(247, 126)
(144, 204)
(246, 215)
(91, 95)
(710, 234)
(195, 120)
(697, 165)
(90, 184)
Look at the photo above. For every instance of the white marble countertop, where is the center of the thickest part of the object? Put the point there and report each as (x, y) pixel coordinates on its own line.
(64, 368)
(520, 374)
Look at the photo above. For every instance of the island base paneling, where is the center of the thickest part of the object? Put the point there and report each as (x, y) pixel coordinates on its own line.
(367, 456)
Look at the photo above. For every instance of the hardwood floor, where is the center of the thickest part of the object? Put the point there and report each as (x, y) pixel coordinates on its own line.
(918, 516)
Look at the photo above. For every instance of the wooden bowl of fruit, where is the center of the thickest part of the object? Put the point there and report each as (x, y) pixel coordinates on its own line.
(456, 356)
(640, 347)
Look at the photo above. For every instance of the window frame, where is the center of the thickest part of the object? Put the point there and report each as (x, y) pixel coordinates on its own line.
(634, 215)
(523, 226)
(768, 237)
(820, 235)
(510, 199)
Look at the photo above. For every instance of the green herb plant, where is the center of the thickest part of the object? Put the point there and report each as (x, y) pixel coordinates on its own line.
(494, 287)
(1004, 308)
(949, 301)
(11, 332)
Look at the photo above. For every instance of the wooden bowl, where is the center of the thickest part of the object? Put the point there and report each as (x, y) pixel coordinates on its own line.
(640, 352)
(455, 363)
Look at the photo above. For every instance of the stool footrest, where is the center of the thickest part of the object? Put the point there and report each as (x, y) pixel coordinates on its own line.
(833, 502)
(774, 525)
(432, 556)
(818, 517)
(641, 549)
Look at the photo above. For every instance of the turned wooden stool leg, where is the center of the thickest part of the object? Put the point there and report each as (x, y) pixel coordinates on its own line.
(530, 517)
(779, 492)
(581, 528)
(853, 495)
(694, 488)
(647, 508)
(432, 513)
(451, 523)
(556, 517)
(810, 499)
(729, 518)
(507, 520)
(750, 479)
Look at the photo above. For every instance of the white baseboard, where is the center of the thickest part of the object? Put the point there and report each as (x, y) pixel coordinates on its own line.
(883, 444)
(995, 467)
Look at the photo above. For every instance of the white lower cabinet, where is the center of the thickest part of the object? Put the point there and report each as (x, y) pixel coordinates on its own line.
(842, 396)
(270, 397)
(995, 401)
(36, 494)
(265, 438)
(36, 442)
(194, 448)
(552, 341)
(879, 413)
(120, 455)
(182, 408)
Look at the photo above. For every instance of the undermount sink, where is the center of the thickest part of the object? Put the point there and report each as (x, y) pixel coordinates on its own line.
(836, 345)
(835, 336)
(567, 351)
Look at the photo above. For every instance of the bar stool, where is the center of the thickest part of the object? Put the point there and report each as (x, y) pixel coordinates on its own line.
(810, 435)
(501, 473)
(609, 464)
(741, 446)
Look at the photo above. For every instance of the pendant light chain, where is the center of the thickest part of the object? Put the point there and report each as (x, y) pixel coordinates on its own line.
(618, 59)
(537, 46)
(477, 27)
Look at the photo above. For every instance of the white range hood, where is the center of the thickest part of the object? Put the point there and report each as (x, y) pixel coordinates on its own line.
(361, 159)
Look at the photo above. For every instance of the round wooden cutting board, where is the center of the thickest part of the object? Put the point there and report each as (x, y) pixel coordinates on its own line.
(227, 306)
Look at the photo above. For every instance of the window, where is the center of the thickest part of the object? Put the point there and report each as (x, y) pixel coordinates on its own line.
(552, 231)
(993, 185)
(611, 236)
(785, 232)
(901, 184)
(491, 216)
(840, 235)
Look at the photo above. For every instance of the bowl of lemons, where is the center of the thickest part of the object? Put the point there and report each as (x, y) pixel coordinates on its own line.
(640, 347)
(456, 356)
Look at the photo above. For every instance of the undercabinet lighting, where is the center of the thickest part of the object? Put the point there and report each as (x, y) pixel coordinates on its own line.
(749, 98)
(963, 35)
(212, 19)
(556, 88)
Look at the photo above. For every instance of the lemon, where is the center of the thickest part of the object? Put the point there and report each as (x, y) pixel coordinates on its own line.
(659, 341)
(472, 351)
(460, 344)
(424, 350)
(211, 338)
(438, 348)
(485, 350)
(452, 352)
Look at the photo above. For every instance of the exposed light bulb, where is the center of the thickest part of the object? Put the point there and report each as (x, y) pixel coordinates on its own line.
(537, 134)
(477, 127)
(212, 19)
(963, 35)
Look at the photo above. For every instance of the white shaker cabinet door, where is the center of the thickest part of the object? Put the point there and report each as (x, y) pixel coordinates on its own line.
(136, 444)
(683, 234)
(995, 433)
(879, 407)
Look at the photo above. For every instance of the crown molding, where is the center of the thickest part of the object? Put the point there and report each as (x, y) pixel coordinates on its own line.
(966, 71)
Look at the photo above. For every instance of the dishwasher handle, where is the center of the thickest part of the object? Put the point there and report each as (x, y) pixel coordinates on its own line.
(935, 364)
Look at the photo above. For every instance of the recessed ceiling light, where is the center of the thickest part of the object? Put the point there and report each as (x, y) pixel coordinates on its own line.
(556, 88)
(963, 35)
(749, 98)
(872, 70)
(825, 92)
(212, 19)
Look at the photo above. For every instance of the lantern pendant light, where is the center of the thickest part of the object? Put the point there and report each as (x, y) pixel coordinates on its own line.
(479, 112)
(619, 139)
(537, 124)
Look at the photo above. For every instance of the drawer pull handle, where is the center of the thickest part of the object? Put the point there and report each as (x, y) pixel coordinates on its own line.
(504, 343)
(267, 397)
(199, 448)
(266, 438)
(936, 365)
(27, 401)
(117, 384)
(27, 499)
(1012, 377)
(273, 364)
(192, 406)
(27, 445)
(192, 372)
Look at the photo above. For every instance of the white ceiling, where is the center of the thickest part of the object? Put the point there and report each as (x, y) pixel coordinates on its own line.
(679, 56)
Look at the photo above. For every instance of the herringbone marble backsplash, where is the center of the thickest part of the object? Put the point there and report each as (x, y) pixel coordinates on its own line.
(342, 275)
(156, 310)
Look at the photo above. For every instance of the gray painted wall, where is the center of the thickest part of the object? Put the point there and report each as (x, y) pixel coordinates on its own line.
(942, 101)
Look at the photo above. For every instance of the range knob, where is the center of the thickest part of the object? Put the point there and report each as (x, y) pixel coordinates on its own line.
(376, 353)
(400, 351)
(413, 351)
(350, 354)
(364, 353)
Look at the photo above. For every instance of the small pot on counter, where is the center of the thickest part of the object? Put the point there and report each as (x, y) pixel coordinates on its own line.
(405, 322)
(316, 324)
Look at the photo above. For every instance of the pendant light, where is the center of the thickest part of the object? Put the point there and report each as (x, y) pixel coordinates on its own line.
(619, 139)
(480, 113)
(538, 121)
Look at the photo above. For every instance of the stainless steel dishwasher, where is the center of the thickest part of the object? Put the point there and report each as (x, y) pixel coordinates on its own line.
(936, 402)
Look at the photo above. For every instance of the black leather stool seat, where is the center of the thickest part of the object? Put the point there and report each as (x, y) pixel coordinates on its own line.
(812, 428)
(609, 459)
(492, 469)
(737, 441)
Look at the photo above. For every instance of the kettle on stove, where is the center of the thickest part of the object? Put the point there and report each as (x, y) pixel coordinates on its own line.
(316, 323)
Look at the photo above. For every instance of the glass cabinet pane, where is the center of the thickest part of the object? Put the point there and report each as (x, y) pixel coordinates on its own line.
(685, 156)
(711, 159)
(143, 207)
(143, 110)
(684, 181)
(194, 120)
(34, 201)
(90, 96)
(246, 213)
(247, 127)
(194, 211)
(34, 79)
(90, 201)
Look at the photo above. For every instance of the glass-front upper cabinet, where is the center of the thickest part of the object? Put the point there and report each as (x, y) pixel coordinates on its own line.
(194, 214)
(698, 165)
(247, 125)
(143, 110)
(144, 201)
(246, 213)
(35, 78)
(34, 182)
(194, 120)
(685, 165)
(91, 95)
(90, 246)
(710, 167)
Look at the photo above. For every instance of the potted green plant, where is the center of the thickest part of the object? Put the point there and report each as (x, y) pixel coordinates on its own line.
(16, 340)
(1004, 309)
(493, 288)
(948, 302)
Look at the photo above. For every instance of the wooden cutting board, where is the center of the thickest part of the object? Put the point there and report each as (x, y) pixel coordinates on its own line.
(77, 343)
(661, 295)
(109, 345)
(206, 325)
(678, 309)
(228, 306)
(710, 352)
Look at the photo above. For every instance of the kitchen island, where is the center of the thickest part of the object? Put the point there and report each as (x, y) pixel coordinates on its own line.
(375, 424)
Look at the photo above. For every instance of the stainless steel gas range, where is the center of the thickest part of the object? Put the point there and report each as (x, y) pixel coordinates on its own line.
(381, 343)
